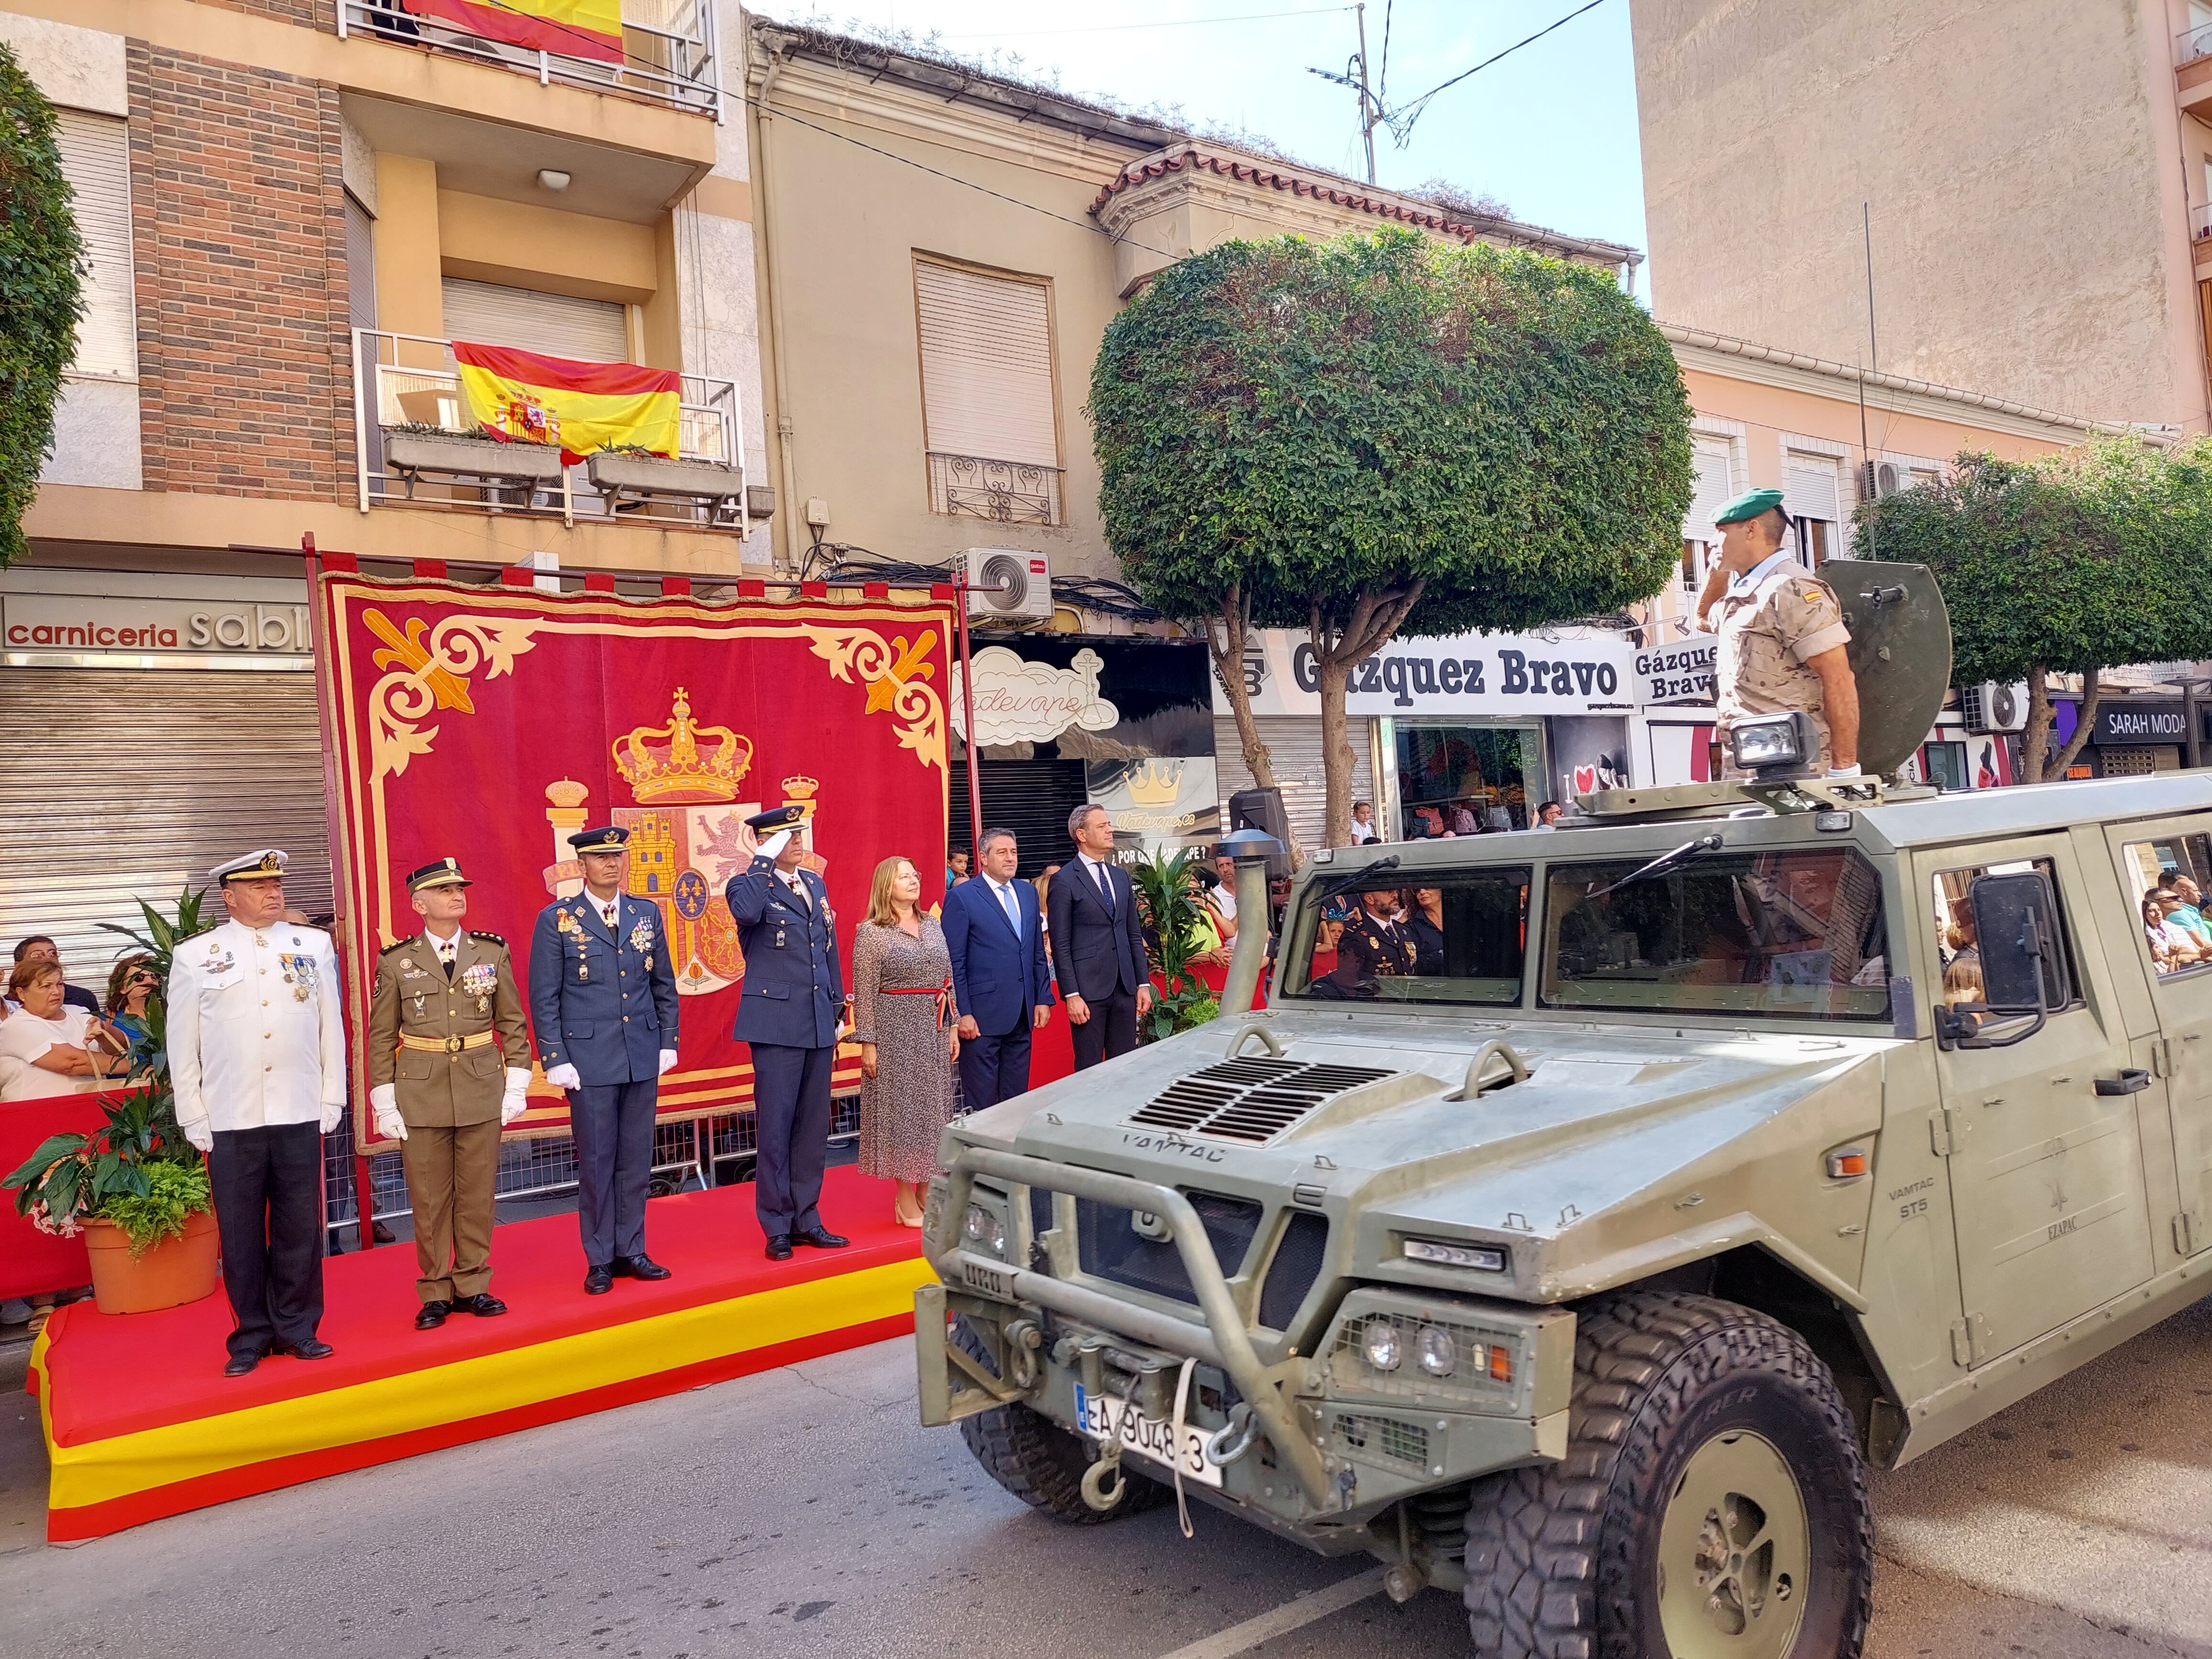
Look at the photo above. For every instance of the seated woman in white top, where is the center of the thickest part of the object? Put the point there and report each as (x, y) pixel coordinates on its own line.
(47, 1048)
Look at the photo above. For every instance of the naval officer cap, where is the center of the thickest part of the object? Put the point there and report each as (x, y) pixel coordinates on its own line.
(776, 819)
(1749, 505)
(267, 865)
(444, 872)
(607, 838)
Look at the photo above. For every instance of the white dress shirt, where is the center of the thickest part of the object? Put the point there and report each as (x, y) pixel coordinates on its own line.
(1094, 872)
(254, 1035)
(1002, 894)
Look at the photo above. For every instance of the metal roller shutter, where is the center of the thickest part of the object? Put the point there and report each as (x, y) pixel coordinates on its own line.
(985, 365)
(1031, 798)
(1294, 749)
(116, 785)
(557, 324)
(95, 152)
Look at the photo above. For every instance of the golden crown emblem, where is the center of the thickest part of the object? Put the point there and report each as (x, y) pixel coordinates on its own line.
(683, 761)
(1156, 782)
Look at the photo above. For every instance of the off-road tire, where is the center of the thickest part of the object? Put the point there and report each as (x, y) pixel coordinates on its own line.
(1039, 1462)
(1562, 1560)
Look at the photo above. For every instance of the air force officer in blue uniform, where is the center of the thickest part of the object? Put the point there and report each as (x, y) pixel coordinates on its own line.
(793, 995)
(603, 1007)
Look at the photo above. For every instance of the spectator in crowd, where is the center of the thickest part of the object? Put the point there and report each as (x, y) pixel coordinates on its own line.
(904, 1014)
(40, 948)
(46, 1041)
(1459, 819)
(129, 988)
(1223, 895)
(1962, 985)
(1425, 925)
(956, 867)
(1362, 823)
(2172, 944)
(1548, 816)
(994, 930)
(1042, 883)
(1428, 824)
(2189, 908)
(1097, 943)
(1209, 935)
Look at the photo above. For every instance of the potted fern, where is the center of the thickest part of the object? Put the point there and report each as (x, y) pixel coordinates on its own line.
(1171, 920)
(135, 1188)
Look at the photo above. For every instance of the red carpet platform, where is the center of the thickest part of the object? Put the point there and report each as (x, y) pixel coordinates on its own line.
(141, 1423)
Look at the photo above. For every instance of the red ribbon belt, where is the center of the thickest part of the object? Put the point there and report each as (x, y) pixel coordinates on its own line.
(942, 992)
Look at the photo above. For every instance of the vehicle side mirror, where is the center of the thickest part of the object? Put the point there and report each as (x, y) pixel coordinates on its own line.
(2024, 973)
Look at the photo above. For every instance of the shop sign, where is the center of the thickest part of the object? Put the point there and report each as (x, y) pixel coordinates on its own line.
(2140, 721)
(1480, 674)
(58, 622)
(1680, 672)
(1018, 701)
(1160, 801)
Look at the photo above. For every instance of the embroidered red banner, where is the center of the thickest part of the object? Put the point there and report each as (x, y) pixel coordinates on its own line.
(490, 724)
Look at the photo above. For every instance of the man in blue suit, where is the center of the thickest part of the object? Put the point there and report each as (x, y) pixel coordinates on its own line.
(999, 980)
(603, 1008)
(793, 995)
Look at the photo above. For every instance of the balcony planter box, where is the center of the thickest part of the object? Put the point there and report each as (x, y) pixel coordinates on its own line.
(411, 453)
(616, 476)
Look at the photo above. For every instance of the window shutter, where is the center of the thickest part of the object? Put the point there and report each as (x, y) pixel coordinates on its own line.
(986, 384)
(557, 324)
(95, 152)
(1711, 459)
(1812, 487)
(361, 266)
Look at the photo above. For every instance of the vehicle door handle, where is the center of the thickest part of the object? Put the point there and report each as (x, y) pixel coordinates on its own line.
(2130, 1081)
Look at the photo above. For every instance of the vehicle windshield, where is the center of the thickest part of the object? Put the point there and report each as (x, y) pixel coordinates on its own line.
(1456, 938)
(1770, 935)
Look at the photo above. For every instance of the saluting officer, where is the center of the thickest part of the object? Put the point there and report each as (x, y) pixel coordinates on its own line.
(793, 994)
(1781, 636)
(257, 1058)
(440, 1088)
(602, 1005)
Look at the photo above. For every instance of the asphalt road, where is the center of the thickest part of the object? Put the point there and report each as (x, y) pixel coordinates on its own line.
(803, 1512)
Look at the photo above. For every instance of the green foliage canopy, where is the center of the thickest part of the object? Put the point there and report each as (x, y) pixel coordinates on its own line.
(1305, 420)
(40, 299)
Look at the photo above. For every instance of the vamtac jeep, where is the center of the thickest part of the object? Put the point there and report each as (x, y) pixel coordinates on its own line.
(1705, 1156)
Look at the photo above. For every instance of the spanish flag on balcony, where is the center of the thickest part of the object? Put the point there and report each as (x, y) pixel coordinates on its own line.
(536, 399)
(573, 29)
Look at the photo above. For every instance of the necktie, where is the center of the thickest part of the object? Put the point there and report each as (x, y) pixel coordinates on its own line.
(1014, 911)
(1105, 886)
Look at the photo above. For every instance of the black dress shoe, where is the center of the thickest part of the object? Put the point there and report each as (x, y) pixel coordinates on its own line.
(640, 1267)
(779, 1246)
(484, 1305)
(241, 1364)
(820, 1237)
(431, 1314)
(313, 1348)
(599, 1281)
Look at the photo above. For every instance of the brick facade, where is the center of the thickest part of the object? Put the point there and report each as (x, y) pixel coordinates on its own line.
(239, 222)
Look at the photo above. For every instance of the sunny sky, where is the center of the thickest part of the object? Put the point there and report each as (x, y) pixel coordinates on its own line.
(1550, 131)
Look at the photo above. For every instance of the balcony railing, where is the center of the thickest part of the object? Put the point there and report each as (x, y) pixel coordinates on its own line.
(408, 386)
(2192, 43)
(668, 50)
(1005, 492)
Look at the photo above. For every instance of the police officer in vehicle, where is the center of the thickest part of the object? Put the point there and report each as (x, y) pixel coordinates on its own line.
(793, 996)
(1373, 946)
(438, 1087)
(1781, 636)
(603, 1005)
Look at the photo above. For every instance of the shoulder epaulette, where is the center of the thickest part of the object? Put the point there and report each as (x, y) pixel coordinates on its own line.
(185, 939)
(400, 945)
(494, 937)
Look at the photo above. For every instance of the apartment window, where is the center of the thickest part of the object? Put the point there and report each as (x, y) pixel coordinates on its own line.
(95, 154)
(1712, 457)
(990, 411)
(1813, 495)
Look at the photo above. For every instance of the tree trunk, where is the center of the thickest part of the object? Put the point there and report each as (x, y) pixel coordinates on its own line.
(2035, 738)
(2091, 694)
(1336, 758)
(1376, 617)
(1228, 633)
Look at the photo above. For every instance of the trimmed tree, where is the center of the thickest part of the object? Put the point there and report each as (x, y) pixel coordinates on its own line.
(40, 300)
(2069, 564)
(1384, 434)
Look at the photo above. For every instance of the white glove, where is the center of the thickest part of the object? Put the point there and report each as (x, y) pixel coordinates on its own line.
(563, 1077)
(774, 845)
(333, 1111)
(1842, 771)
(384, 1108)
(201, 1134)
(516, 1101)
(667, 1061)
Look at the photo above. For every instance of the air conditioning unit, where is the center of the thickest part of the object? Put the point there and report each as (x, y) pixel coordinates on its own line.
(1993, 705)
(1880, 478)
(1009, 584)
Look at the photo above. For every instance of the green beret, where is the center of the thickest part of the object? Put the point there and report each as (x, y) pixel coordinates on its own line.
(1749, 505)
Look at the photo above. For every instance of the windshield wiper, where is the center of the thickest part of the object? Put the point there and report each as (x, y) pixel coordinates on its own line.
(1353, 877)
(1660, 866)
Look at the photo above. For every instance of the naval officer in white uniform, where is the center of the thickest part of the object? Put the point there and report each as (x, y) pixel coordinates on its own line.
(257, 1056)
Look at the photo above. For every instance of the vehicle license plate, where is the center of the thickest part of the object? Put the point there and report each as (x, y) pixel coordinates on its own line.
(1102, 1415)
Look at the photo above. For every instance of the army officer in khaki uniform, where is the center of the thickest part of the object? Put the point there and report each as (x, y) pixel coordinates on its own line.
(1782, 634)
(440, 1088)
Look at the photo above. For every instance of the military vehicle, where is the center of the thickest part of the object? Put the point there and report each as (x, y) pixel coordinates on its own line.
(1587, 1211)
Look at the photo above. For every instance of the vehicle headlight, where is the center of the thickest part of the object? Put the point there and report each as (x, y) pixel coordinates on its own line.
(1770, 740)
(988, 1228)
(1379, 1342)
(1486, 1258)
(1435, 1350)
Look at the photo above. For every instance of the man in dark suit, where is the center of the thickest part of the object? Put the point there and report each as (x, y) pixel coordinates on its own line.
(999, 980)
(793, 996)
(603, 1009)
(1097, 943)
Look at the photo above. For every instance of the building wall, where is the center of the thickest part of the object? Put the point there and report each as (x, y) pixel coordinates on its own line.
(2021, 159)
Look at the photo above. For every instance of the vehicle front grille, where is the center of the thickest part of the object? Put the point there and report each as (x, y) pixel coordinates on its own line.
(1252, 1100)
(1381, 1437)
(1291, 1273)
(1109, 1244)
